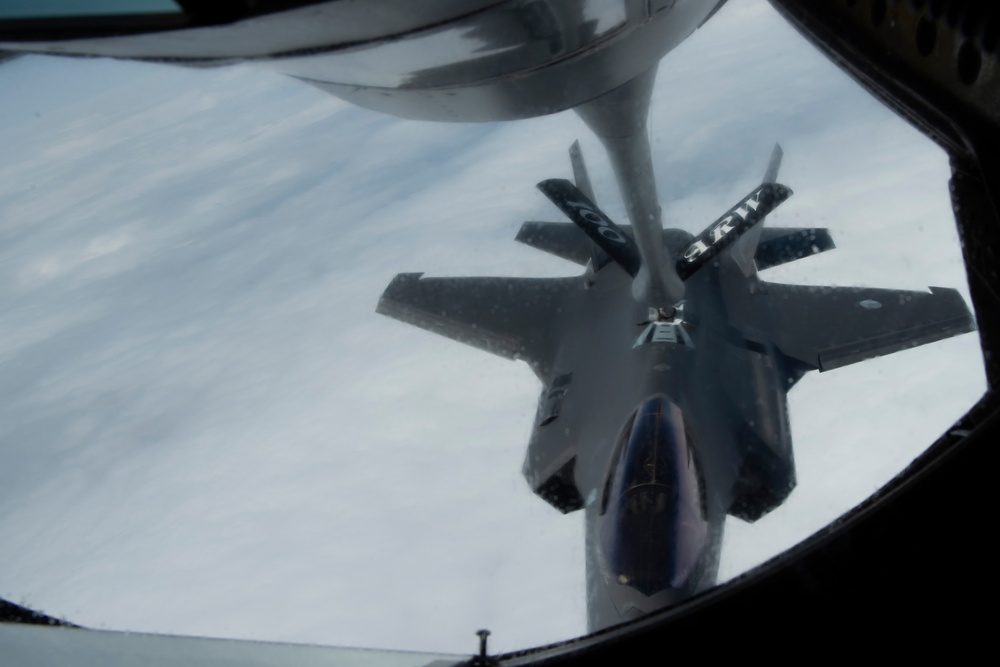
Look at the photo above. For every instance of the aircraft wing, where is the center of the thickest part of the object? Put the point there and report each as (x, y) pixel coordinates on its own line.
(830, 327)
(511, 317)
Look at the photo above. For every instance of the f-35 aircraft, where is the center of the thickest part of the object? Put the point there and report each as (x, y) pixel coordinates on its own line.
(659, 420)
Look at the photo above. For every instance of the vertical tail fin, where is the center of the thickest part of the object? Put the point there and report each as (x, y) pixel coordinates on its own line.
(745, 248)
(580, 175)
(598, 226)
(727, 231)
(774, 164)
(598, 257)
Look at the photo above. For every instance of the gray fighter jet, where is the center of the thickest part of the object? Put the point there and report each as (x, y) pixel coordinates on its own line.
(658, 420)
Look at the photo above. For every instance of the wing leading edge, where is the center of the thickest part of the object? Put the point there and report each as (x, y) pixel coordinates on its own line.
(510, 317)
(829, 327)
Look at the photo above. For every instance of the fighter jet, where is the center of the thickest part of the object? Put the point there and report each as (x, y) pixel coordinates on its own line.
(659, 421)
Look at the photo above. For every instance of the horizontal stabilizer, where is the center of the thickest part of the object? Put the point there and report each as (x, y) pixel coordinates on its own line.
(510, 317)
(779, 245)
(606, 234)
(562, 239)
(829, 327)
(726, 230)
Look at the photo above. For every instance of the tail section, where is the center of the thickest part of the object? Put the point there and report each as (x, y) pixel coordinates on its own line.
(608, 236)
(752, 246)
(580, 174)
(563, 239)
(620, 247)
(779, 245)
(744, 251)
(762, 247)
(598, 257)
(725, 231)
(773, 165)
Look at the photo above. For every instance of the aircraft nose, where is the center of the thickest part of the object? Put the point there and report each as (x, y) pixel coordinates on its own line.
(653, 528)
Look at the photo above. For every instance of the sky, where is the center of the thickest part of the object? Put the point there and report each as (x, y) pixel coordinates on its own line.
(205, 428)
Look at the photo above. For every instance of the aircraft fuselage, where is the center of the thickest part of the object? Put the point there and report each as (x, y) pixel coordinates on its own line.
(715, 393)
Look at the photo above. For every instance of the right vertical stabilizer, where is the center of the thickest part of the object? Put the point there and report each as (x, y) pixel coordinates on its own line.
(745, 249)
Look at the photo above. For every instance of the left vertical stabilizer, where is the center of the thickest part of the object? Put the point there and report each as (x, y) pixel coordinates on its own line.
(598, 226)
(598, 257)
